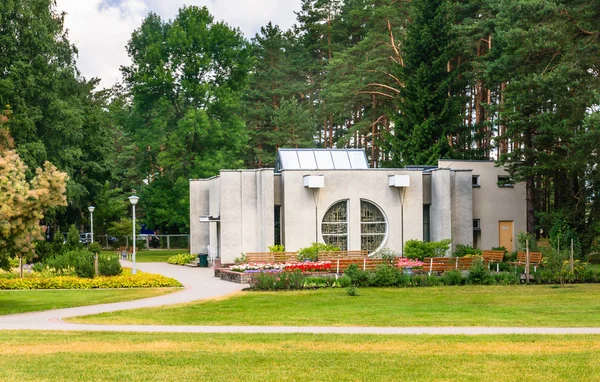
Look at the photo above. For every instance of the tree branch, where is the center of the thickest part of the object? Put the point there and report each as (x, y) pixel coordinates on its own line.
(384, 86)
(376, 93)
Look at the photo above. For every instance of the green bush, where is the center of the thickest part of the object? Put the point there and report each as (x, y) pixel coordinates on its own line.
(312, 252)
(385, 275)
(82, 261)
(478, 272)
(276, 248)
(181, 259)
(504, 278)
(416, 249)
(452, 278)
(358, 276)
(344, 281)
(315, 282)
(72, 243)
(43, 250)
(522, 238)
(426, 280)
(267, 281)
(109, 265)
(352, 291)
(465, 250)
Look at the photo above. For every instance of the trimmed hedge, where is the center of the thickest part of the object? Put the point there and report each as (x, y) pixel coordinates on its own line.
(181, 259)
(140, 280)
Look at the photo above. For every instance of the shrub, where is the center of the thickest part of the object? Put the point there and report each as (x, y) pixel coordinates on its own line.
(385, 275)
(466, 250)
(290, 280)
(109, 265)
(241, 259)
(181, 259)
(344, 282)
(385, 254)
(505, 278)
(358, 276)
(452, 278)
(416, 249)
(522, 238)
(263, 281)
(426, 280)
(82, 261)
(73, 242)
(312, 252)
(13, 262)
(315, 282)
(352, 291)
(43, 250)
(276, 248)
(594, 258)
(477, 272)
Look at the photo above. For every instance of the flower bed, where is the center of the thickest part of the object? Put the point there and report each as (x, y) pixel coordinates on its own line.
(319, 266)
(126, 280)
(406, 263)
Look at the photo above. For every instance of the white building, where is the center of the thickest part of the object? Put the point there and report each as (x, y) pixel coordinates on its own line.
(333, 196)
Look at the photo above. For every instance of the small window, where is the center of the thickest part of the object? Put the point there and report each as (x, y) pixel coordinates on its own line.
(505, 181)
(476, 181)
(476, 224)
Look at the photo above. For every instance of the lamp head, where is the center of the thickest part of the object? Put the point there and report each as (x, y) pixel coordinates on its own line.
(133, 199)
(91, 209)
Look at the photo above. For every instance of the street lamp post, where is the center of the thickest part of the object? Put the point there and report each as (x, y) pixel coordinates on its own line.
(91, 209)
(133, 200)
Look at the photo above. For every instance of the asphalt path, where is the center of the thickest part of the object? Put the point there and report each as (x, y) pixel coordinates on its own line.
(200, 284)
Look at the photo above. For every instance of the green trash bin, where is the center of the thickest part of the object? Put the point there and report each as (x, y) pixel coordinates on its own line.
(203, 260)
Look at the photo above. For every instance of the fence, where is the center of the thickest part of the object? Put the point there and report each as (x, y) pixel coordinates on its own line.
(181, 241)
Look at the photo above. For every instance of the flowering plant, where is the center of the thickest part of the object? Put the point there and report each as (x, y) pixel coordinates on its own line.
(321, 266)
(405, 262)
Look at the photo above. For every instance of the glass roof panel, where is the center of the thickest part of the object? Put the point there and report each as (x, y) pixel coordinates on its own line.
(307, 159)
(357, 159)
(340, 159)
(324, 160)
(321, 159)
(289, 160)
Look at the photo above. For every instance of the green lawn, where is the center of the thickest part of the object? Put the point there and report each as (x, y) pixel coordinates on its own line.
(153, 255)
(64, 356)
(21, 301)
(572, 306)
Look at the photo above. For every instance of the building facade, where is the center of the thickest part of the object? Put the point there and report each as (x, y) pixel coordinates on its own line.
(332, 196)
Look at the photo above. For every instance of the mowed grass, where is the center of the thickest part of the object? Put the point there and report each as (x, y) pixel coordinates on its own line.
(66, 356)
(153, 255)
(519, 305)
(21, 301)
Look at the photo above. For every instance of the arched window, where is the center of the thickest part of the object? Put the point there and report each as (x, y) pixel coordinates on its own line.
(373, 227)
(335, 225)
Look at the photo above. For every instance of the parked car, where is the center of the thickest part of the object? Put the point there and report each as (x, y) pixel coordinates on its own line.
(85, 238)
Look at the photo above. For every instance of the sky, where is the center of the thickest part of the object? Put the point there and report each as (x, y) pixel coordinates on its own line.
(101, 28)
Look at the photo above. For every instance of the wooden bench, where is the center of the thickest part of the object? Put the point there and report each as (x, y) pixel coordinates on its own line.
(444, 264)
(535, 259)
(342, 255)
(490, 257)
(340, 265)
(124, 253)
(271, 257)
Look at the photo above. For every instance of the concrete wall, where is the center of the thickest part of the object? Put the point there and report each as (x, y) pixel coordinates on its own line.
(247, 212)
(462, 208)
(492, 204)
(451, 206)
(301, 222)
(204, 200)
(441, 205)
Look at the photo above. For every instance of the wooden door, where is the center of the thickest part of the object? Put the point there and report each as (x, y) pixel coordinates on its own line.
(506, 235)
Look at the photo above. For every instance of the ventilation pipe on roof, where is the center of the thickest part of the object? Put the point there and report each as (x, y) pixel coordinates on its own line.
(401, 183)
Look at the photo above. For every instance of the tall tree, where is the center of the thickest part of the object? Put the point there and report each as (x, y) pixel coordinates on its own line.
(429, 107)
(55, 114)
(186, 80)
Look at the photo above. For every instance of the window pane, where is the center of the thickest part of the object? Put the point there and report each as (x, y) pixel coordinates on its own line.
(373, 226)
(334, 227)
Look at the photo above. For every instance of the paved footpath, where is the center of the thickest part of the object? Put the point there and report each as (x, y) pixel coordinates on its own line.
(201, 284)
